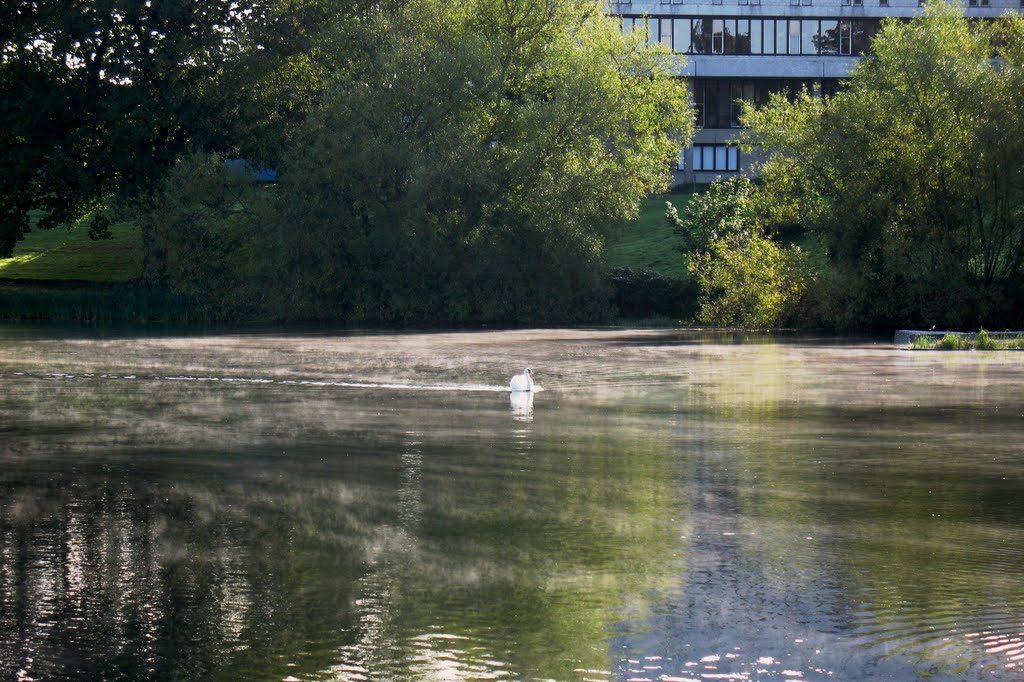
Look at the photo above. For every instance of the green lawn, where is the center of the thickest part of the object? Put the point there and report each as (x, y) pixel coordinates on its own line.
(62, 255)
(648, 243)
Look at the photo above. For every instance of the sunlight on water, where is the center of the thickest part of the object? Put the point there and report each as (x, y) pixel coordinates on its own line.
(674, 506)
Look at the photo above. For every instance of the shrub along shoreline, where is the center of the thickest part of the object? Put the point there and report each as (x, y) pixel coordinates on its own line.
(90, 302)
(982, 340)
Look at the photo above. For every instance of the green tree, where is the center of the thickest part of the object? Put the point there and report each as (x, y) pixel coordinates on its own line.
(911, 177)
(464, 165)
(99, 97)
(745, 276)
(93, 97)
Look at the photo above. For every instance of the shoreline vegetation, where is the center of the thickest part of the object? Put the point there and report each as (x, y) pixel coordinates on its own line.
(981, 340)
(62, 275)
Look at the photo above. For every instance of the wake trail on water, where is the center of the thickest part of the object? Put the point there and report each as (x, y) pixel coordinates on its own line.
(314, 382)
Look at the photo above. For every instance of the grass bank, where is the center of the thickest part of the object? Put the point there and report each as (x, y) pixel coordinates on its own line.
(649, 243)
(70, 255)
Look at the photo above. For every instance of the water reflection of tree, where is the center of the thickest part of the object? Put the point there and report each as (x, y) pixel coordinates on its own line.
(521, 569)
(876, 515)
(208, 541)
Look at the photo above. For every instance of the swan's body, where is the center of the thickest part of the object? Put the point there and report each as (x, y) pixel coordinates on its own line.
(522, 382)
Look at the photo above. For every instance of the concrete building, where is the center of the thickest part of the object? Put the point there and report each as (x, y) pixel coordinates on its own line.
(746, 49)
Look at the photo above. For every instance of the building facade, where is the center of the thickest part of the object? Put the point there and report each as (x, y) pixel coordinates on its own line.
(743, 50)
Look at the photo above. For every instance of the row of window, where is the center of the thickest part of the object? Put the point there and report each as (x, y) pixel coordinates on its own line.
(711, 35)
(718, 102)
(712, 157)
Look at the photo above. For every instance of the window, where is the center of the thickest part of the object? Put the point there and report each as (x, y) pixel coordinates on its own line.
(743, 36)
(740, 36)
(730, 36)
(742, 92)
(781, 36)
(681, 38)
(768, 46)
(828, 37)
(700, 33)
(845, 36)
(711, 102)
(883, 3)
(863, 30)
(715, 157)
(809, 31)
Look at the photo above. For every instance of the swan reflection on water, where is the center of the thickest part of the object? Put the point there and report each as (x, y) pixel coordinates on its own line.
(522, 405)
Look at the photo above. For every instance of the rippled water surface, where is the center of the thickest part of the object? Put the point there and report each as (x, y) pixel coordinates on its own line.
(672, 506)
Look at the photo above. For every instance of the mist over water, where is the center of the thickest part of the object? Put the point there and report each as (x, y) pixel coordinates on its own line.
(672, 506)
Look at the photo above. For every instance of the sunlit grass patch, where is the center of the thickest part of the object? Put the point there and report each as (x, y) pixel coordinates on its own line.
(649, 243)
(60, 254)
(952, 342)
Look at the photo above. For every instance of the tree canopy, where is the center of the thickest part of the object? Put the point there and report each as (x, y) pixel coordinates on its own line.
(910, 181)
(462, 166)
(99, 97)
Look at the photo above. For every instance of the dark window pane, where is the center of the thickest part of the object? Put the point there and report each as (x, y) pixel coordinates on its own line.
(724, 105)
(830, 86)
(717, 36)
(743, 36)
(828, 38)
(730, 37)
(863, 31)
(701, 36)
(698, 100)
(844, 36)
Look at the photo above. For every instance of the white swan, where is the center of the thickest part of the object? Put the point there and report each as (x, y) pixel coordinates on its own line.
(522, 382)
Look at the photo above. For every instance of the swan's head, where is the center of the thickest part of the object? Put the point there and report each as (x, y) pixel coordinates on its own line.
(528, 372)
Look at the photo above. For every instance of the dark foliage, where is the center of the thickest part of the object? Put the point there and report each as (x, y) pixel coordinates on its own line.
(645, 293)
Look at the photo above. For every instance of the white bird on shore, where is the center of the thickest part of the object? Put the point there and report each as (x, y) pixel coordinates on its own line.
(522, 382)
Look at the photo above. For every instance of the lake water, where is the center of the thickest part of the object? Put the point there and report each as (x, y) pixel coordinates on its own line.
(672, 506)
